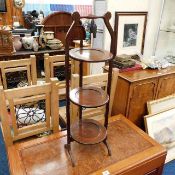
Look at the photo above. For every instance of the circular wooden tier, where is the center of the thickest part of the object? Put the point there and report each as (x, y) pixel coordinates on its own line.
(90, 55)
(88, 131)
(89, 97)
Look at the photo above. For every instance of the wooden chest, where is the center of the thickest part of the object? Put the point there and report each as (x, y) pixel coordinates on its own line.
(133, 153)
(135, 88)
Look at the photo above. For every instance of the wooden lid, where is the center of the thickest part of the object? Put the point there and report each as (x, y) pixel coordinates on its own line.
(89, 97)
(90, 55)
(88, 131)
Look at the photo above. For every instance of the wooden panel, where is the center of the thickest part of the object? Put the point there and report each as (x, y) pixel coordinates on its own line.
(13, 117)
(6, 43)
(139, 75)
(15, 63)
(26, 54)
(15, 69)
(121, 96)
(59, 23)
(64, 19)
(166, 86)
(141, 93)
(28, 91)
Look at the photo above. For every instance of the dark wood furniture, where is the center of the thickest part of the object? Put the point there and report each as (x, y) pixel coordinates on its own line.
(135, 88)
(6, 43)
(134, 153)
(59, 23)
(26, 53)
(39, 56)
(87, 131)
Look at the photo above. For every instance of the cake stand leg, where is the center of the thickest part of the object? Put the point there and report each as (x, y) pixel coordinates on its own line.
(68, 147)
(107, 146)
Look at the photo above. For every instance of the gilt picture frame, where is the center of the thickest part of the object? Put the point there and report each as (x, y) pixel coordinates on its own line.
(161, 127)
(130, 29)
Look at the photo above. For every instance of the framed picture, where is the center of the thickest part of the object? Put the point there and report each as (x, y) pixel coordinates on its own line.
(130, 28)
(161, 104)
(3, 7)
(161, 127)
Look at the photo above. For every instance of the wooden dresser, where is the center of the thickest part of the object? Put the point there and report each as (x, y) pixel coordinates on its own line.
(135, 88)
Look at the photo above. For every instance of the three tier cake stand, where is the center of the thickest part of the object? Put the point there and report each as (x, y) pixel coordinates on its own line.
(87, 131)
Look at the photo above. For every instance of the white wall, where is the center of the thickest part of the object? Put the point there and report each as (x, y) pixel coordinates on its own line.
(152, 6)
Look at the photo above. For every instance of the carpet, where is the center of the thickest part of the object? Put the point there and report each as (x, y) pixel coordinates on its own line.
(169, 168)
(4, 169)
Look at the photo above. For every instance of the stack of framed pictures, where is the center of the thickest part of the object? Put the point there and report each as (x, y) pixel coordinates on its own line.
(160, 123)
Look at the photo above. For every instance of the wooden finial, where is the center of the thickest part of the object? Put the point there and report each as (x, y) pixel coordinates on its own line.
(107, 15)
(76, 16)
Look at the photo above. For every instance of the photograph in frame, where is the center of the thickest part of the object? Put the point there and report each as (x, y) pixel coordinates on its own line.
(130, 29)
(130, 35)
(162, 104)
(161, 127)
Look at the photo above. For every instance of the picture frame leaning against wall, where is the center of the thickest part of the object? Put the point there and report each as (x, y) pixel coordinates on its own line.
(130, 29)
(161, 127)
(161, 104)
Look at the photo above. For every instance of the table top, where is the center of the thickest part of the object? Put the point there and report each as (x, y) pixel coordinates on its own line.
(130, 146)
(143, 74)
(90, 55)
(137, 75)
(31, 52)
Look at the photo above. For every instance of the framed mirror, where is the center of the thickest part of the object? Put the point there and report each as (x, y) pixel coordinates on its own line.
(19, 3)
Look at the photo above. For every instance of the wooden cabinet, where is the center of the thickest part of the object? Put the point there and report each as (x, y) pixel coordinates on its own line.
(166, 86)
(135, 88)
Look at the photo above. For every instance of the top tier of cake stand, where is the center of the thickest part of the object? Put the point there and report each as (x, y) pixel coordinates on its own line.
(90, 55)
